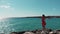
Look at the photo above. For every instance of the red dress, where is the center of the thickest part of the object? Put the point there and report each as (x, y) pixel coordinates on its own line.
(43, 21)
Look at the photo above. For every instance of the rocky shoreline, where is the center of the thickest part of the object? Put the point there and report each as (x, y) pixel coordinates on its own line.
(46, 31)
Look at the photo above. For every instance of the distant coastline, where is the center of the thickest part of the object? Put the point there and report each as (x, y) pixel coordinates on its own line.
(45, 17)
(35, 17)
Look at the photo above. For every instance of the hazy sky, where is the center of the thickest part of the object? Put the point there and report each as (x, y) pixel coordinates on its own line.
(18, 8)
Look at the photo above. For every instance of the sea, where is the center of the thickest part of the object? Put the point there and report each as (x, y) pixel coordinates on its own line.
(9, 25)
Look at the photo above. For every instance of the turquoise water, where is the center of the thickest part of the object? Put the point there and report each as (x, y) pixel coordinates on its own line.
(24, 24)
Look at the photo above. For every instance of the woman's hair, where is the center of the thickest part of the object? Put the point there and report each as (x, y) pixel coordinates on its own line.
(43, 15)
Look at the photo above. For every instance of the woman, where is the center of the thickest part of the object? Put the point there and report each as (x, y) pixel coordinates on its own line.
(43, 22)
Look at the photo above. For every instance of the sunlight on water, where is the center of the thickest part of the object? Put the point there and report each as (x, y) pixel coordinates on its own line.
(5, 27)
(1, 18)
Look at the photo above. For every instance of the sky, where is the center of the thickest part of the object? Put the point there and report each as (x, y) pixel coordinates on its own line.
(23, 8)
